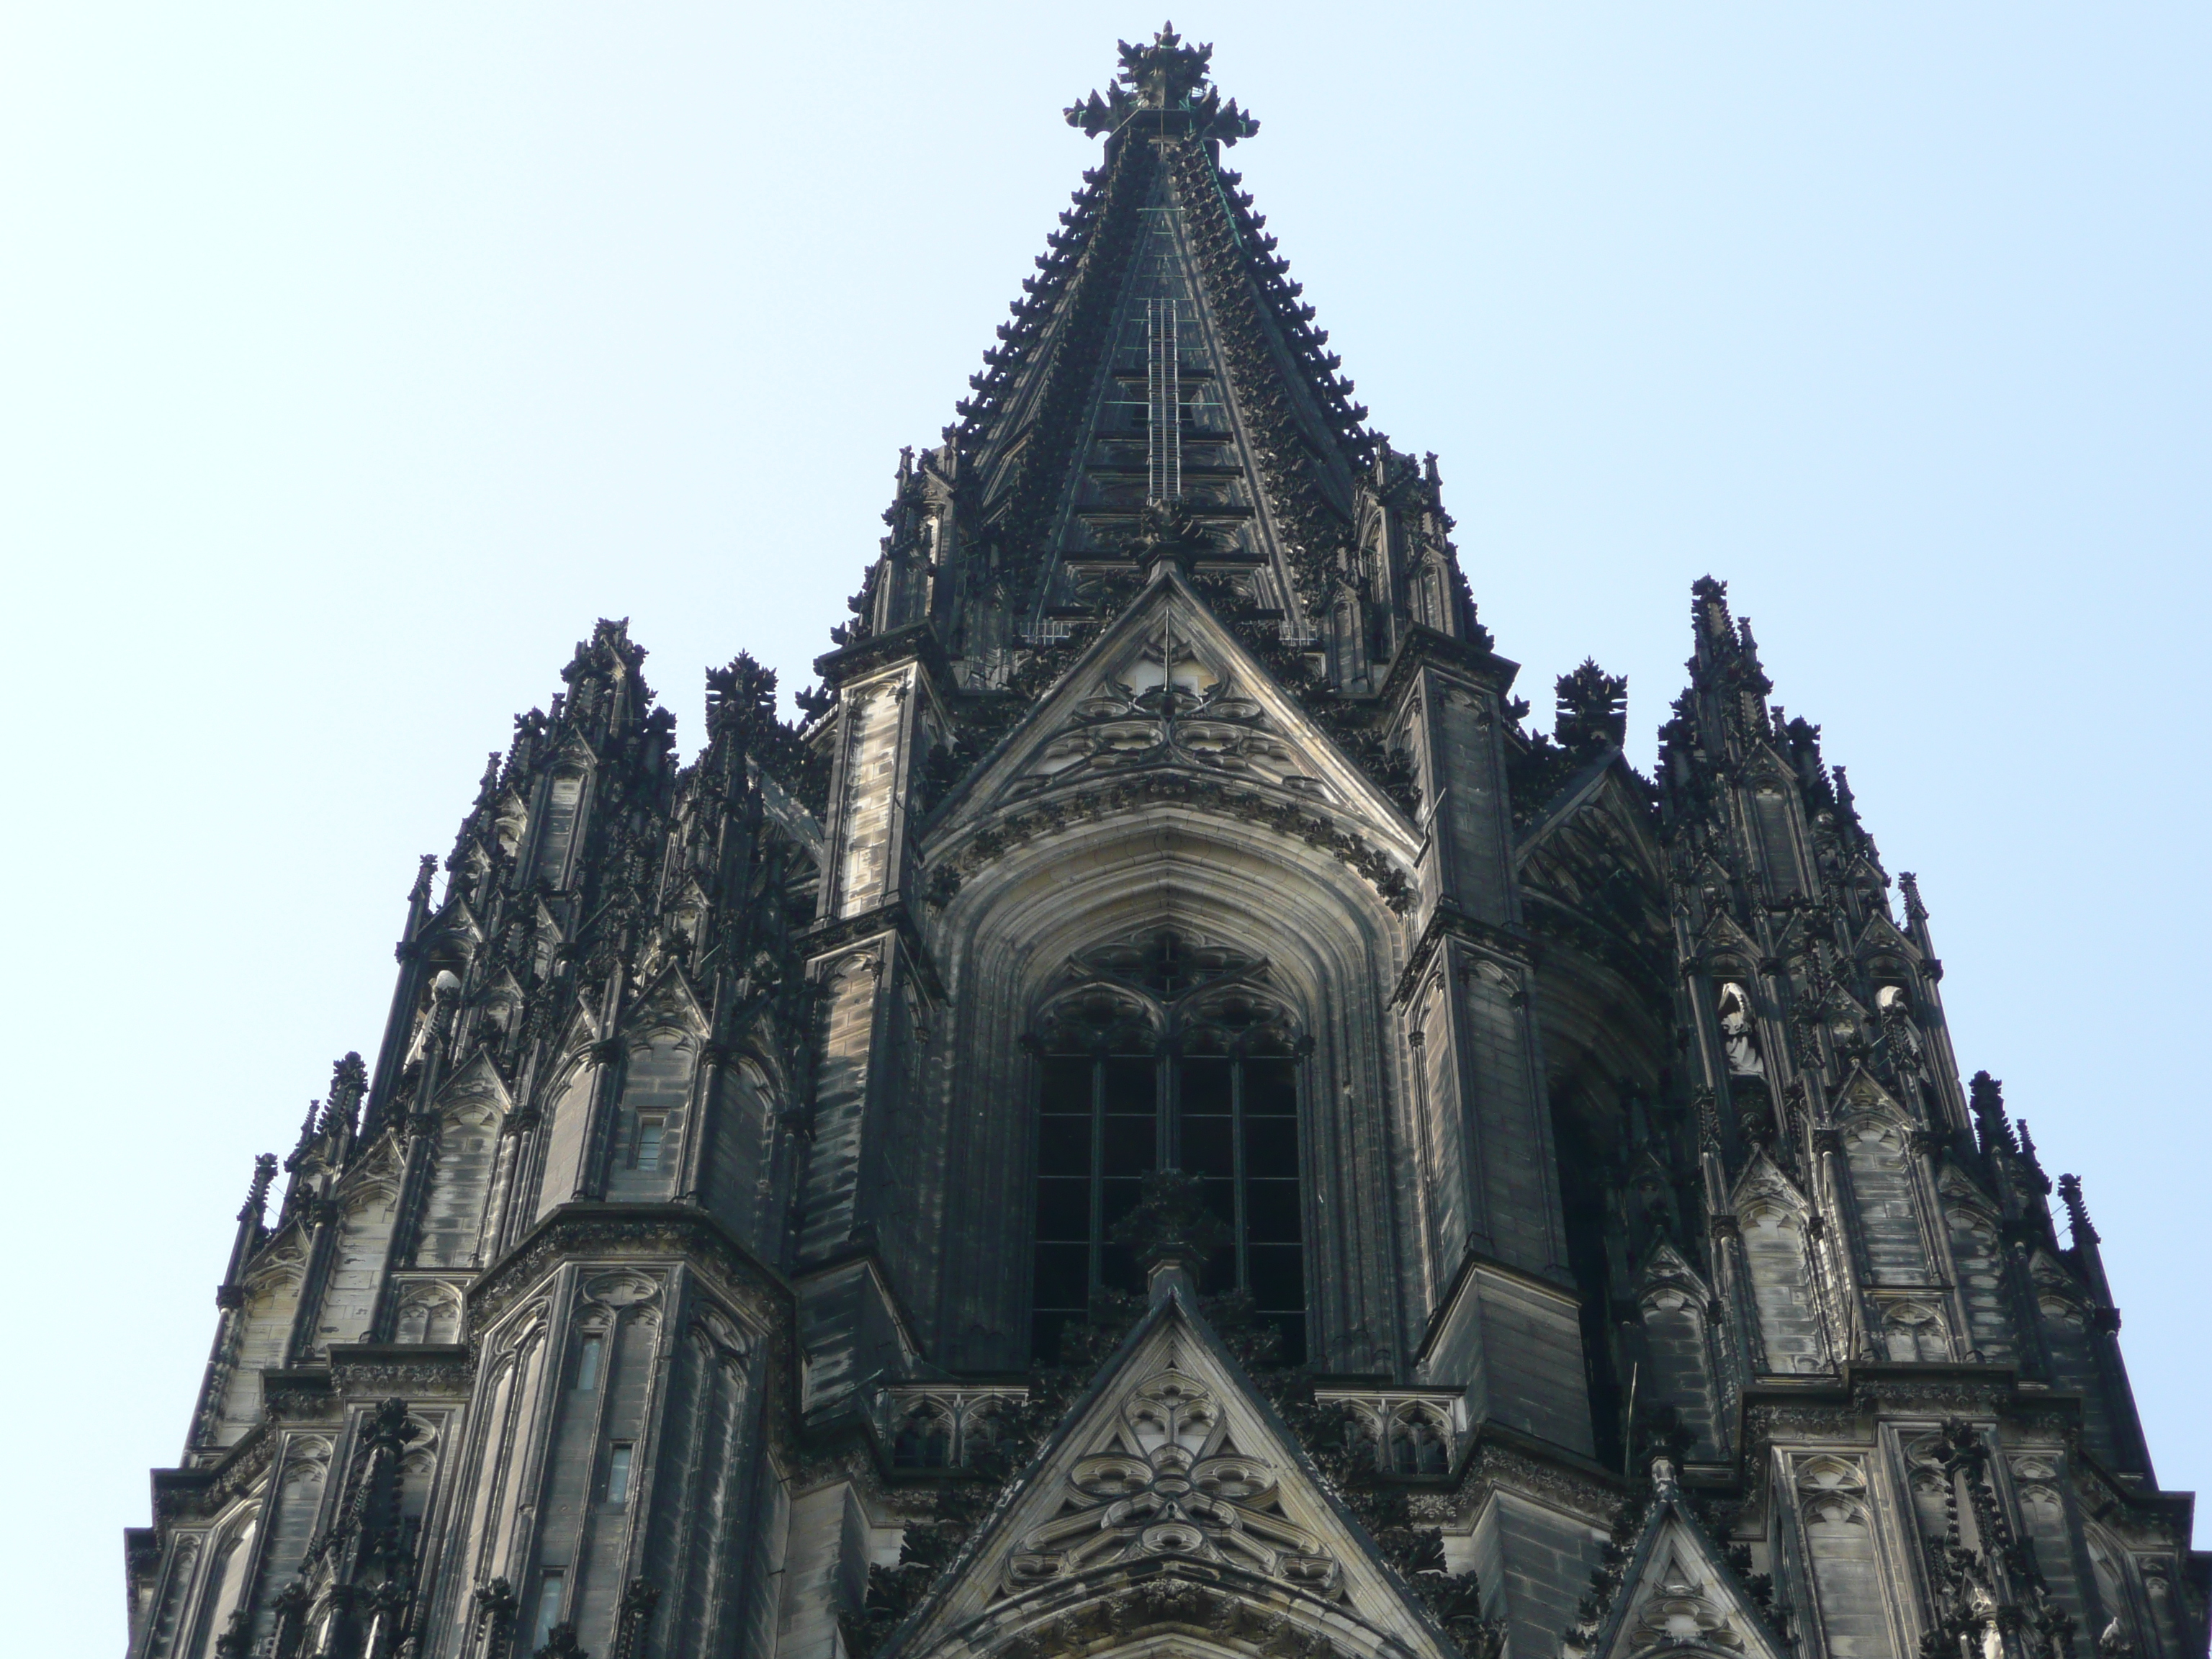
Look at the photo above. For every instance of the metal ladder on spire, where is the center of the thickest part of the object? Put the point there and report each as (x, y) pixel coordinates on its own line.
(1163, 401)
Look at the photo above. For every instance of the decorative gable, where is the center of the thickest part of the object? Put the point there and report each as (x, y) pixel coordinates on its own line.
(1723, 938)
(1168, 688)
(1862, 1097)
(454, 929)
(476, 1091)
(1170, 1481)
(668, 1005)
(1676, 1591)
(1171, 1496)
(1880, 938)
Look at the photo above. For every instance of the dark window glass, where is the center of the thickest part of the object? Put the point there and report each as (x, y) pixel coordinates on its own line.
(1271, 1212)
(1278, 1278)
(1106, 1122)
(1204, 1088)
(1068, 1085)
(1063, 1277)
(1209, 1146)
(1064, 1145)
(1271, 1088)
(1271, 1148)
(1063, 1210)
(1131, 1085)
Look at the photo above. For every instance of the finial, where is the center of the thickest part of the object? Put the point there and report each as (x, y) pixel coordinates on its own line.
(424, 872)
(349, 1083)
(1171, 1231)
(1844, 796)
(1663, 1482)
(1592, 710)
(1168, 78)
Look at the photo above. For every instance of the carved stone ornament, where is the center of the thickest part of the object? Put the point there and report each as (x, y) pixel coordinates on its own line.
(1171, 1483)
(1174, 1496)
(1169, 706)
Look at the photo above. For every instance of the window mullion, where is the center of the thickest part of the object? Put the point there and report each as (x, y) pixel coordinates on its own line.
(1168, 1153)
(1236, 1157)
(1096, 1230)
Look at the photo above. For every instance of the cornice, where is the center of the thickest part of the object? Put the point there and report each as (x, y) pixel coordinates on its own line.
(916, 642)
(594, 1230)
(361, 1368)
(1425, 647)
(827, 938)
(1508, 945)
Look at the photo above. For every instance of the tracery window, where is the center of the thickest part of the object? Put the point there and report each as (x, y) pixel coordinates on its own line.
(1419, 1444)
(923, 1440)
(1168, 1052)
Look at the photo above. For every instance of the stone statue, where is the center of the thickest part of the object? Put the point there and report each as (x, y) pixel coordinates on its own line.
(1738, 1035)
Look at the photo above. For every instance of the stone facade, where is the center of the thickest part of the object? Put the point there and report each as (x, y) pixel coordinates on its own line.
(1164, 1116)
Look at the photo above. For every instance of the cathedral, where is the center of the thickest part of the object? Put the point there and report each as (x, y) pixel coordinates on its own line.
(1165, 1116)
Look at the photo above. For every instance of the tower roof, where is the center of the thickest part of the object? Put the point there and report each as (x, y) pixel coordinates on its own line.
(1161, 355)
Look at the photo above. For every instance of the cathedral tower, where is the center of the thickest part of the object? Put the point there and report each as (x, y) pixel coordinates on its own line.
(1164, 1116)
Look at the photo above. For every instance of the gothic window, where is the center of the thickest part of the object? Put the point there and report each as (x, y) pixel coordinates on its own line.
(1789, 1320)
(1977, 1253)
(1771, 817)
(740, 1169)
(1429, 595)
(923, 1440)
(1911, 1332)
(1418, 1444)
(1876, 1152)
(589, 1353)
(1170, 1053)
(460, 1181)
(428, 1313)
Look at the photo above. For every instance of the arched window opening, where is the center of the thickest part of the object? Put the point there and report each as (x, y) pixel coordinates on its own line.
(428, 1313)
(1911, 1332)
(1173, 1053)
(1418, 1445)
(923, 1440)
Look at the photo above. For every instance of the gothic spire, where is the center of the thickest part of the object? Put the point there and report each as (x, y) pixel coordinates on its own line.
(1162, 356)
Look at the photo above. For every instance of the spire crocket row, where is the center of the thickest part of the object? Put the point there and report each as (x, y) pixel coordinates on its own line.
(1164, 1116)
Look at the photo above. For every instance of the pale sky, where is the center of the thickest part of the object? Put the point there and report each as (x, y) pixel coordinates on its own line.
(353, 359)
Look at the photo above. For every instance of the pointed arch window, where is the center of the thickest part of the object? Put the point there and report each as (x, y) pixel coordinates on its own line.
(1168, 1053)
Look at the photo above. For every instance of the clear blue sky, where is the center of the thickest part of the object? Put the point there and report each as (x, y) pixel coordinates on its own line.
(354, 359)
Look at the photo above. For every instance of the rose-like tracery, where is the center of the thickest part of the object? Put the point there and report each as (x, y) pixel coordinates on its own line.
(1173, 1485)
